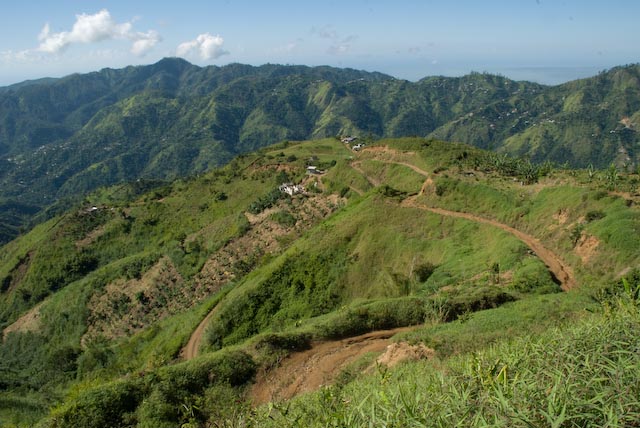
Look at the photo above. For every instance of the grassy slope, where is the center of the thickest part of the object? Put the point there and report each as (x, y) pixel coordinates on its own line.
(578, 374)
(323, 285)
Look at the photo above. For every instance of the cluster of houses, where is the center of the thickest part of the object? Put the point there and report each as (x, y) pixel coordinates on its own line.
(349, 140)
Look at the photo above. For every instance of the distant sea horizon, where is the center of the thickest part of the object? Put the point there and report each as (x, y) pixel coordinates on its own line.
(550, 75)
(545, 75)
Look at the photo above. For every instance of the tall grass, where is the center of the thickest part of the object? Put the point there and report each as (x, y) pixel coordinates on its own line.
(581, 375)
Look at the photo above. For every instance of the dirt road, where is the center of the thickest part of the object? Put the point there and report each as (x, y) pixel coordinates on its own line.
(192, 347)
(309, 370)
(558, 268)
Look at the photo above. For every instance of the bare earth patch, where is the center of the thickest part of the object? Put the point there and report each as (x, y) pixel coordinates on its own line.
(587, 247)
(30, 321)
(627, 122)
(399, 352)
(18, 272)
(265, 237)
(125, 307)
(91, 237)
(561, 216)
(309, 370)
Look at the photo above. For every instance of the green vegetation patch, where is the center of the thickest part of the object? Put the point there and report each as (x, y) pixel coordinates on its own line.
(301, 286)
(157, 398)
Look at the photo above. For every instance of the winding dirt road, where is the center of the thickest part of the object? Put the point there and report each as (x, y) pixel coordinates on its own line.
(558, 268)
(307, 371)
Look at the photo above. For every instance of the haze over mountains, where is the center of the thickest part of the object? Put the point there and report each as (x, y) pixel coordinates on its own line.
(61, 138)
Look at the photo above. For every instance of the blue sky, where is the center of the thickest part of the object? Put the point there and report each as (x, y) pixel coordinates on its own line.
(541, 40)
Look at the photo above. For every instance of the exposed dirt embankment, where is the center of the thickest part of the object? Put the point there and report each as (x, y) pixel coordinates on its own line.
(30, 321)
(309, 370)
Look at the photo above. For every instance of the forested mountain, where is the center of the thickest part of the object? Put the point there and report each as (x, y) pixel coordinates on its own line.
(60, 138)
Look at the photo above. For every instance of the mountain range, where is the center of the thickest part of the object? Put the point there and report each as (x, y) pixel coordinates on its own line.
(61, 138)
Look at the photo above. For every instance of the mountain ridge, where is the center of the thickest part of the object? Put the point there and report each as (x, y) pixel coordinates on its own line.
(64, 137)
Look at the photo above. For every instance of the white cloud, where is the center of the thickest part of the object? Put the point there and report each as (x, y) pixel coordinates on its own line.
(145, 42)
(22, 57)
(96, 28)
(339, 45)
(206, 46)
(342, 46)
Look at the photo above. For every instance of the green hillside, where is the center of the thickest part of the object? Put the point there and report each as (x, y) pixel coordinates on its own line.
(466, 246)
(62, 138)
(588, 121)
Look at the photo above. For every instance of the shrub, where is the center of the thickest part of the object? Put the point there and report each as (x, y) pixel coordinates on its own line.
(381, 315)
(284, 341)
(627, 287)
(303, 286)
(457, 303)
(424, 271)
(576, 233)
(177, 391)
(110, 405)
(594, 215)
(446, 185)
(284, 218)
(275, 346)
(390, 192)
(533, 277)
(266, 201)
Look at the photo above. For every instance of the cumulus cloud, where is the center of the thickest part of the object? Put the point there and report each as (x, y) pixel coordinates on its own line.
(96, 28)
(339, 44)
(144, 42)
(206, 46)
